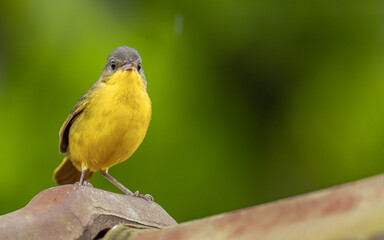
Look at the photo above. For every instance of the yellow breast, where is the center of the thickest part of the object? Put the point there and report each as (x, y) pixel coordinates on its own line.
(113, 124)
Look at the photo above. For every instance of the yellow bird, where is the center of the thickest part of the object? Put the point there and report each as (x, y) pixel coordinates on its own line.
(109, 122)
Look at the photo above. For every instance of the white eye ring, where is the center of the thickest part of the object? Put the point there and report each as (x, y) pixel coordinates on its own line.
(113, 65)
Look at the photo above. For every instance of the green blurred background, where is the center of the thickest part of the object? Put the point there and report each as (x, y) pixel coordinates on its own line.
(253, 101)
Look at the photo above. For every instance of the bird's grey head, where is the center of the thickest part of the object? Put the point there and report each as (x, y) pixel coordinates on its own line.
(121, 56)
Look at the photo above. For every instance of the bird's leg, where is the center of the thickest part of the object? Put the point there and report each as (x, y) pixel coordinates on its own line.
(82, 182)
(124, 189)
(117, 184)
(83, 170)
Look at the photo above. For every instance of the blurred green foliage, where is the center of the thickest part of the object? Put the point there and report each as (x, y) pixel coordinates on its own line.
(253, 101)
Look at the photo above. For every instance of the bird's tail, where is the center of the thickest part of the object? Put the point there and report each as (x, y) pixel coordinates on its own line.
(66, 173)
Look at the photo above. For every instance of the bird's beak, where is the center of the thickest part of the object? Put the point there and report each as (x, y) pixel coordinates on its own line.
(129, 66)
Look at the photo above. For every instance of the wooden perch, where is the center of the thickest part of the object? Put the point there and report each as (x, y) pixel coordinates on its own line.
(80, 212)
(350, 211)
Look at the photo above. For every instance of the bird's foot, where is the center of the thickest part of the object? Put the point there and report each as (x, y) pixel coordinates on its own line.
(85, 183)
(145, 197)
(88, 184)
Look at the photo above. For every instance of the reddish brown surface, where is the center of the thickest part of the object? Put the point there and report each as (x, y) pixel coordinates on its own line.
(78, 212)
(350, 211)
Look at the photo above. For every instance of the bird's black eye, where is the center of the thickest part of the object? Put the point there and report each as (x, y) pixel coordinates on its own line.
(113, 66)
(139, 67)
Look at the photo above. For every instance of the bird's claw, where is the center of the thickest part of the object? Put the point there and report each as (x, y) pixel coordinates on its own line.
(145, 197)
(85, 183)
(88, 184)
